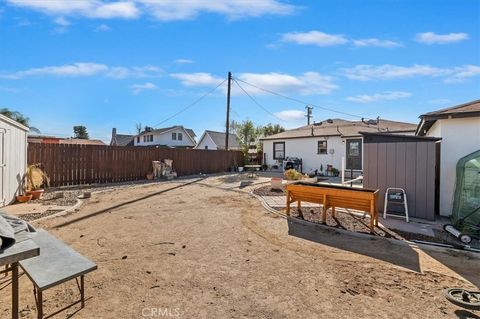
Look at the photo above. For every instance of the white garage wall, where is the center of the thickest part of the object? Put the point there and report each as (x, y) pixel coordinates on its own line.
(460, 137)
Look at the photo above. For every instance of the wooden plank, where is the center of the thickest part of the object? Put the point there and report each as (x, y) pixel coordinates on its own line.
(430, 180)
(421, 180)
(410, 180)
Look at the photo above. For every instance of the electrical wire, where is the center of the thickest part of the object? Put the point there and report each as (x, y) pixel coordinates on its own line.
(297, 100)
(191, 104)
(256, 102)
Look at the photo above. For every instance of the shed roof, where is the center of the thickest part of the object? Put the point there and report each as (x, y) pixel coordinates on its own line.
(14, 123)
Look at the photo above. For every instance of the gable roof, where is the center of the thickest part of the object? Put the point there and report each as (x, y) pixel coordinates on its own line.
(122, 140)
(344, 128)
(190, 133)
(219, 139)
(166, 129)
(469, 109)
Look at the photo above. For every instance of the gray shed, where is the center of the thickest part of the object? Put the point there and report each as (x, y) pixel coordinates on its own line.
(404, 161)
(13, 158)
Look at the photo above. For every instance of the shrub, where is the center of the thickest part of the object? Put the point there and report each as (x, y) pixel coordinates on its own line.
(292, 174)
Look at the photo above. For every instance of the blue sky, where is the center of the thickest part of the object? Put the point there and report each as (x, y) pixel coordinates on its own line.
(107, 64)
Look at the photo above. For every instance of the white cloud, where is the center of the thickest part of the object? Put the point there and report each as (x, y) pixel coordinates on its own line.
(164, 10)
(373, 42)
(387, 72)
(103, 28)
(86, 69)
(308, 83)
(138, 88)
(314, 37)
(365, 72)
(462, 73)
(197, 79)
(291, 115)
(183, 61)
(379, 97)
(433, 38)
(61, 21)
(83, 8)
(170, 10)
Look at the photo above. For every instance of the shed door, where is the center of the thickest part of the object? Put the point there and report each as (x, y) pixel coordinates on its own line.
(3, 168)
(354, 154)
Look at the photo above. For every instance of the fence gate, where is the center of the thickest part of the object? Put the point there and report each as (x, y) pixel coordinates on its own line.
(3, 167)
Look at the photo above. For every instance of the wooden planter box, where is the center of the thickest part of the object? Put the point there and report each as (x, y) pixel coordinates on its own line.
(334, 196)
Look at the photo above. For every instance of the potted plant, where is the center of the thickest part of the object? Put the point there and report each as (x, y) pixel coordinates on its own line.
(36, 180)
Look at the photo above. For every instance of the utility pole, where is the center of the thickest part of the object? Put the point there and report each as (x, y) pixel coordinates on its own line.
(309, 114)
(227, 124)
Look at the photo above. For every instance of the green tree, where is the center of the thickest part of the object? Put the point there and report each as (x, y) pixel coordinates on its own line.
(271, 129)
(247, 133)
(80, 131)
(18, 117)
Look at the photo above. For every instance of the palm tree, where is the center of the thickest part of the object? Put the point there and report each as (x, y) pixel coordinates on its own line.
(18, 117)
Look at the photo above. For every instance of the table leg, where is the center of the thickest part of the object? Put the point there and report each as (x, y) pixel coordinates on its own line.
(14, 268)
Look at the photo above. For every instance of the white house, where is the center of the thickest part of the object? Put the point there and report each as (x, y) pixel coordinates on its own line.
(212, 140)
(325, 143)
(13, 158)
(175, 136)
(459, 128)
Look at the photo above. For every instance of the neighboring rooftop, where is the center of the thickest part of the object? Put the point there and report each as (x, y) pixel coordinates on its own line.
(79, 141)
(345, 128)
(469, 109)
(165, 129)
(219, 139)
(121, 139)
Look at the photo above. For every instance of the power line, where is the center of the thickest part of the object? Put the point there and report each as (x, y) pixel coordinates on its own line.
(297, 100)
(255, 101)
(191, 104)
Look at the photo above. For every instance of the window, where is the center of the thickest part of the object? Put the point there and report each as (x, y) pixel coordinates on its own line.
(278, 150)
(174, 136)
(179, 136)
(322, 147)
(138, 139)
(146, 138)
(206, 147)
(151, 138)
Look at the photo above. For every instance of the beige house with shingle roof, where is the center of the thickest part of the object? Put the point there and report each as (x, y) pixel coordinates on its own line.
(325, 143)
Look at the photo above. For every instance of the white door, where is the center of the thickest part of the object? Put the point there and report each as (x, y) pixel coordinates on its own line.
(3, 167)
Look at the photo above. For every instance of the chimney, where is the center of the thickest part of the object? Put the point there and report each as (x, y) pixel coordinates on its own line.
(114, 137)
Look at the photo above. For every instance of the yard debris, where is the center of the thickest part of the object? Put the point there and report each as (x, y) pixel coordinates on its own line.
(163, 169)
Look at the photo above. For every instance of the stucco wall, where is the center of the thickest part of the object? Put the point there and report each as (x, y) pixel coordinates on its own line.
(460, 137)
(306, 149)
(166, 139)
(206, 141)
(14, 155)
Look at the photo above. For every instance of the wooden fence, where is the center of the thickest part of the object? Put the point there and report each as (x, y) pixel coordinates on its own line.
(89, 164)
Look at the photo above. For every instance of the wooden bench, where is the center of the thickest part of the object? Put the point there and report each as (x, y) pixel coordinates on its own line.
(56, 264)
(332, 196)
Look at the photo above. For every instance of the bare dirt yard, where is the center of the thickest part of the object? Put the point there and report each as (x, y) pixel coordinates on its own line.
(201, 251)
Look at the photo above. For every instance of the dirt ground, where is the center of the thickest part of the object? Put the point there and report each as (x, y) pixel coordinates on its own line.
(190, 249)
